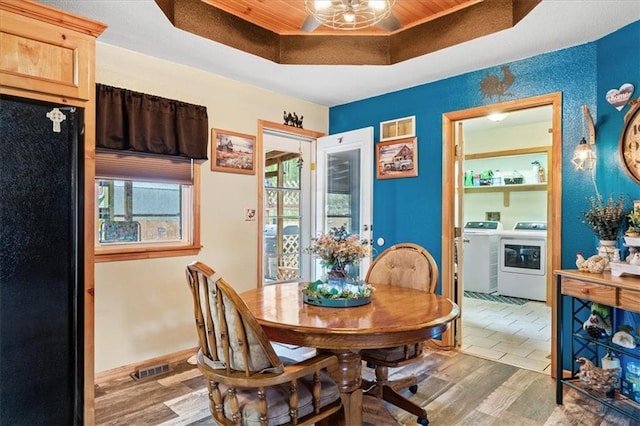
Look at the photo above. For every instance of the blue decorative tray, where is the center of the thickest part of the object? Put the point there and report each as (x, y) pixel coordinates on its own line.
(335, 302)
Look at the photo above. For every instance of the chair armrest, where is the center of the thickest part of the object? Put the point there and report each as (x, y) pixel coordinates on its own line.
(291, 372)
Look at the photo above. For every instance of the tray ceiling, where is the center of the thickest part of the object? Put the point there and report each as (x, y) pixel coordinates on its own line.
(271, 29)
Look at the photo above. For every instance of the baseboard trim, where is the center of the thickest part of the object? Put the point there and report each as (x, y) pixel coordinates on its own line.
(127, 370)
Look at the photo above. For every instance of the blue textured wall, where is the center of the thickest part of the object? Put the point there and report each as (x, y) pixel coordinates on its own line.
(409, 209)
(618, 63)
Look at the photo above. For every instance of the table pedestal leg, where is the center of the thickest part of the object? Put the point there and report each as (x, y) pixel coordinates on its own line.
(347, 376)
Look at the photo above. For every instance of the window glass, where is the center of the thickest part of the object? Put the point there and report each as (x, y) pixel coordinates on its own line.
(145, 206)
(131, 211)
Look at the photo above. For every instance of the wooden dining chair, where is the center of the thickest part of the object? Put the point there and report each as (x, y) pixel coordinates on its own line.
(403, 265)
(248, 383)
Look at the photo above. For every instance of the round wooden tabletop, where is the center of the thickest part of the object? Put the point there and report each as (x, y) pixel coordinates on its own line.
(395, 316)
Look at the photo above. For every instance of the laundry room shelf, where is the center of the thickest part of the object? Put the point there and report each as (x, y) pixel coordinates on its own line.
(506, 189)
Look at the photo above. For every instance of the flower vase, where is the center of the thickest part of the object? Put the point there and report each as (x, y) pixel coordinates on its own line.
(607, 250)
(337, 278)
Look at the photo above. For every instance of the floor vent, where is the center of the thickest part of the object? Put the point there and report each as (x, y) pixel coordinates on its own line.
(143, 373)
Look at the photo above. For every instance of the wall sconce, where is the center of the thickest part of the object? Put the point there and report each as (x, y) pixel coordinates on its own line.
(584, 156)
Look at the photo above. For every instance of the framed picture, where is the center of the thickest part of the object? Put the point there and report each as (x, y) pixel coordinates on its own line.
(397, 158)
(233, 152)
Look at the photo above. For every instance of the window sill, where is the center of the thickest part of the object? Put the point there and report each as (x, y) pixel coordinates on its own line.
(112, 254)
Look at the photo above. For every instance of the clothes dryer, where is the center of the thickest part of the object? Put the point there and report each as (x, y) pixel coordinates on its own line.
(522, 261)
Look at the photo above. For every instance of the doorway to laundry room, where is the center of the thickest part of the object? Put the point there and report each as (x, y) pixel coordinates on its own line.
(502, 252)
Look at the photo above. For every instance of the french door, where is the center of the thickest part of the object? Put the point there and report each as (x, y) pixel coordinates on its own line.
(344, 187)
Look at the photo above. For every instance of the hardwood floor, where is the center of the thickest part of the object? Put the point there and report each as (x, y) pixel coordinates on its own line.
(455, 388)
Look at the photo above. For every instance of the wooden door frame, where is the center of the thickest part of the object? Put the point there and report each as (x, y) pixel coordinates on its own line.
(554, 200)
(259, 148)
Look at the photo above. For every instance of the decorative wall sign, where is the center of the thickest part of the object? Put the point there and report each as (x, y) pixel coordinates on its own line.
(232, 152)
(495, 85)
(620, 97)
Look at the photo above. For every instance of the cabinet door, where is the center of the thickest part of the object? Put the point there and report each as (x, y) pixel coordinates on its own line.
(41, 57)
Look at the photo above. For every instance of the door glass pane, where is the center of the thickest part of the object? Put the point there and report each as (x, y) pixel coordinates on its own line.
(343, 192)
(282, 217)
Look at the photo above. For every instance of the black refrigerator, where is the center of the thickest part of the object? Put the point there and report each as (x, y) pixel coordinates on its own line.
(41, 263)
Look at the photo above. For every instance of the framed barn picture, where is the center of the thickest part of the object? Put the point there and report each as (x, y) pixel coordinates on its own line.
(233, 152)
(397, 158)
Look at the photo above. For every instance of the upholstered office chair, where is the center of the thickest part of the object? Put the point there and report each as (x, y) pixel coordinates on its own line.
(403, 265)
(247, 381)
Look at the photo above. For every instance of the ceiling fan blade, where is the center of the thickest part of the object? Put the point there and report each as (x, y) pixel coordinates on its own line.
(389, 23)
(309, 24)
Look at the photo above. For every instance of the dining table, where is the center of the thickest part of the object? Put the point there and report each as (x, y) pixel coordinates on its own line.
(395, 316)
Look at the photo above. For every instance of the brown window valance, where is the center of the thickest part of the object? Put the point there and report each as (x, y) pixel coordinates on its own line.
(129, 120)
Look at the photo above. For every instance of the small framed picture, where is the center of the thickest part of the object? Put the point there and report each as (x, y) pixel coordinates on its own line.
(397, 158)
(233, 152)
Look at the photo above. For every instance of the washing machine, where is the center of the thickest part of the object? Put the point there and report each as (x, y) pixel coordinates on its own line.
(522, 261)
(480, 255)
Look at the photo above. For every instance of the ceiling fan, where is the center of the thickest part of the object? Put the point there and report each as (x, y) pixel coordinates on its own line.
(350, 14)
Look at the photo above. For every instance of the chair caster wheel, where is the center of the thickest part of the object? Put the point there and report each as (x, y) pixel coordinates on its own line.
(422, 421)
(413, 389)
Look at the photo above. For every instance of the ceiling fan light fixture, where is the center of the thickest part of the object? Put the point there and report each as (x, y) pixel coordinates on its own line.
(349, 14)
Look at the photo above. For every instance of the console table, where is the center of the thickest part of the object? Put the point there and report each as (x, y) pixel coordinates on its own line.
(582, 288)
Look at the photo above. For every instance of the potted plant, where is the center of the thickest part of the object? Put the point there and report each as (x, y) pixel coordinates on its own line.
(633, 230)
(632, 233)
(605, 219)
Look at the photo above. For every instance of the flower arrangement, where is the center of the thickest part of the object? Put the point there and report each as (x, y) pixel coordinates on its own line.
(605, 219)
(337, 249)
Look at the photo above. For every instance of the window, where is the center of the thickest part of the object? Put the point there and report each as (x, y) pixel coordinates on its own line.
(145, 206)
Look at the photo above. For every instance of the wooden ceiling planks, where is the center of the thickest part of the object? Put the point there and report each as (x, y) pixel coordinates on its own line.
(285, 17)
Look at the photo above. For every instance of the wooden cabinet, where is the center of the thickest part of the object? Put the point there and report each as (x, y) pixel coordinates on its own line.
(578, 290)
(47, 51)
(47, 185)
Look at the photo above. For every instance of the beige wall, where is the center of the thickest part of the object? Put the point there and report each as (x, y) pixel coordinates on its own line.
(143, 308)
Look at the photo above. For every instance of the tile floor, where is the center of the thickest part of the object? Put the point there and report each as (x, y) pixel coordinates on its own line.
(511, 334)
